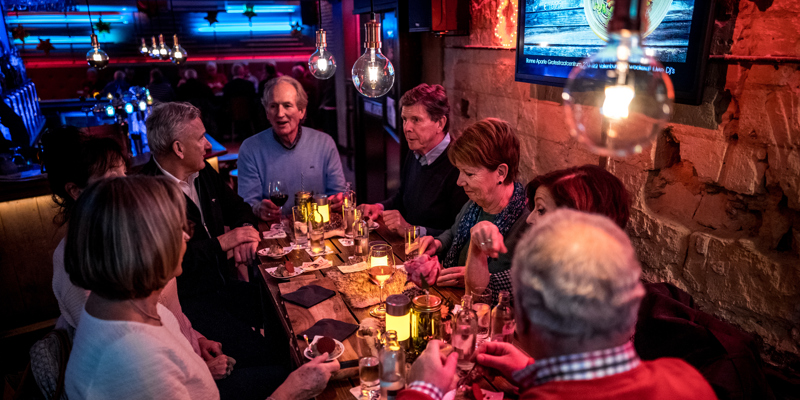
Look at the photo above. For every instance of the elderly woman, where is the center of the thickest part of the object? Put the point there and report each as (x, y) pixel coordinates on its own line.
(587, 188)
(125, 242)
(487, 157)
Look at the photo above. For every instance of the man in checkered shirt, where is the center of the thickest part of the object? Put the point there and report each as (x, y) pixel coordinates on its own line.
(576, 281)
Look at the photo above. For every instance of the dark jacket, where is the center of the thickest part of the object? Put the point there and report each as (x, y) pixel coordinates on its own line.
(205, 265)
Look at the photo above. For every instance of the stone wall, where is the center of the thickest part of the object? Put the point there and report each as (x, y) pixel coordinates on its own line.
(716, 206)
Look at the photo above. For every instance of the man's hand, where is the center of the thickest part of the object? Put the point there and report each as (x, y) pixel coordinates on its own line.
(485, 238)
(505, 358)
(428, 245)
(335, 202)
(235, 237)
(371, 211)
(433, 368)
(209, 348)
(245, 252)
(221, 366)
(395, 222)
(268, 211)
(307, 381)
(453, 276)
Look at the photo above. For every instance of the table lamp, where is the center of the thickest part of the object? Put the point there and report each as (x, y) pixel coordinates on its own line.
(323, 208)
(398, 317)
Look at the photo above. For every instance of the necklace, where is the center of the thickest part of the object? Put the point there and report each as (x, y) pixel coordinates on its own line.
(155, 317)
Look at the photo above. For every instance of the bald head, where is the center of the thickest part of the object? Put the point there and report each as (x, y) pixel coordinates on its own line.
(576, 277)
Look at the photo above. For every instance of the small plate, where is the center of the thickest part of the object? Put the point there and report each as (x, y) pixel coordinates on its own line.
(336, 353)
(286, 250)
(275, 272)
(372, 225)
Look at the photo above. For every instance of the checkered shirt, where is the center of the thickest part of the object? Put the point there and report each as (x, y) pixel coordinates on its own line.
(581, 366)
(501, 281)
(426, 388)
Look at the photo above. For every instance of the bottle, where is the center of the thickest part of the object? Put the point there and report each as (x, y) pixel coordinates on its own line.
(393, 367)
(503, 324)
(465, 333)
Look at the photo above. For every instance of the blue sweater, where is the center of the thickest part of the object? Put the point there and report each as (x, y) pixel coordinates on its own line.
(262, 158)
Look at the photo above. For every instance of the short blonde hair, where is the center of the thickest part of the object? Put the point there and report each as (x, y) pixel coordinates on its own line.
(487, 143)
(301, 99)
(124, 239)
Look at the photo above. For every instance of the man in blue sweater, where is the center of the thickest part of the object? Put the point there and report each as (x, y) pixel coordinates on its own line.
(299, 157)
(429, 196)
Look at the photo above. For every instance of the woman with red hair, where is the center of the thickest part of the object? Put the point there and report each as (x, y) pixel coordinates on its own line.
(587, 188)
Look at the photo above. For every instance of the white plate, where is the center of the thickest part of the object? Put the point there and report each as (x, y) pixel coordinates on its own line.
(336, 353)
(272, 272)
(265, 252)
(372, 225)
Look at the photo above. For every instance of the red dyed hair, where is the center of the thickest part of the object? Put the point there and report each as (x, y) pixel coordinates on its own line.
(587, 188)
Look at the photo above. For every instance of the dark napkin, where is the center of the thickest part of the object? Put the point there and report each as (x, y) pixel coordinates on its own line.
(331, 328)
(309, 295)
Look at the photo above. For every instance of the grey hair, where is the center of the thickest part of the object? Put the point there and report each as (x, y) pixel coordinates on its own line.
(119, 75)
(166, 124)
(302, 97)
(237, 69)
(190, 74)
(576, 275)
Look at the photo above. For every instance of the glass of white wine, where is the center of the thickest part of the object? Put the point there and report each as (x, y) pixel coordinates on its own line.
(381, 263)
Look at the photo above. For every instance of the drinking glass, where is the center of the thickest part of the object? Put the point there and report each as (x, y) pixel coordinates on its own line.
(350, 216)
(278, 194)
(368, 338)
(381, 267)
(412, 242)
(369, 375)
(361, 249)
(316, 232)
(482, 304)
(300, 226)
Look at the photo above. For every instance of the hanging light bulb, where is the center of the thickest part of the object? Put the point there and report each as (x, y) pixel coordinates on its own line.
(164, 52)
(142, 105)
(321, 63)
(143, 49)
(96, 57)
(620, 98)
(373, 74)
(153, 48)
(178, 53)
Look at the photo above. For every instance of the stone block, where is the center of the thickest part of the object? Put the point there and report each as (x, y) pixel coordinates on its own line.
(784, 171)
(675, 201)
(705, 155)
(783, 117)
(632, 177)
(725, 213)
(551, 124)
(742, 171)
(551, 156)
(491, 106)
(660, 242)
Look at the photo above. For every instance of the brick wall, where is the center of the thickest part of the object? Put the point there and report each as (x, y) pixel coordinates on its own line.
(716, 206)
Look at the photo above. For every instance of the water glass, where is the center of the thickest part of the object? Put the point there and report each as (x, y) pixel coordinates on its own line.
(316, 239)
(369, 374)
(482, 304)
(361, 249)
(368, 340)
(350, 216)
(300, 226)
(412, 242)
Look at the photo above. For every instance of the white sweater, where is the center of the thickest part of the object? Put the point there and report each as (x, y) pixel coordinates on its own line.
(123, 360)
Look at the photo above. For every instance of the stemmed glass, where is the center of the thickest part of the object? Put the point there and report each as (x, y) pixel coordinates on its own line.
(278, 194)
(381, 263)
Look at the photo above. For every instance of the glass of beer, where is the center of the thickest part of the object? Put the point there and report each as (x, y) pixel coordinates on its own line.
(481, 303)
(369, 375)
(381, 268)
(300, 226)
(412, 242)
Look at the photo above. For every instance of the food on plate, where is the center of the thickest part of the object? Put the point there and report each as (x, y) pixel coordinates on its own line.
(324, 345)
(289, 266)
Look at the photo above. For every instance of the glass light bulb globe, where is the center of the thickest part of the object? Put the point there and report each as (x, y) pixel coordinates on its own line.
(373, 74)
(164, 52)
(97, 58)
(142, 105)
(154, 49)
(619, 99)
(143, 49)
(178, 55)
(322, 64)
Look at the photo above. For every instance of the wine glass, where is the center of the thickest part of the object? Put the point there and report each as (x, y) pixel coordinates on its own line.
(278, 194)
(381, 263)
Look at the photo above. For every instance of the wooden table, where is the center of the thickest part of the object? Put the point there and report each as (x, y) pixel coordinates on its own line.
(296, 319)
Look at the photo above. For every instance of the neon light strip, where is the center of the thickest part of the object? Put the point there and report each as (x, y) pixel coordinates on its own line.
(34, 40)
(262, 9)
(245, 27)
(198, 61)
(61, 19)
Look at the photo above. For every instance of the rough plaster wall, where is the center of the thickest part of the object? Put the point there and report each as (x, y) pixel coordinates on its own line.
(716, 206)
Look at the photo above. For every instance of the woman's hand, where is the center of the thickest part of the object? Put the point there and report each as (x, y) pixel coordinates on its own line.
(453, 276)
(428, 245)
(307, 381)
(502, 357)
(485, 238)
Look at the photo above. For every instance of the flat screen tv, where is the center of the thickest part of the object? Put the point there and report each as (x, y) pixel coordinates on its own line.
(553, 35)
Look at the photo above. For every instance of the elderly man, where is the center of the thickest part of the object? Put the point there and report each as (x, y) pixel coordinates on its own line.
(576, 281)
(429, 195)
(295, 155)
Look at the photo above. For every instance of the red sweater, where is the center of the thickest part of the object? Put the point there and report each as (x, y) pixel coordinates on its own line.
(662, 379)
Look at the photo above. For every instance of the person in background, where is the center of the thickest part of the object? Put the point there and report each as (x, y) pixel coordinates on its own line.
(159, 88)
(127, 345)
(288, 152)
(270, 73)
(92, 85)
(576, 281)
(239, 86)
(300, 73)
(193, 89)
(73, 162)
(249, 76)
(429, 195)
(487, 157)
(215, 81)
(587, 188)
(118, 85)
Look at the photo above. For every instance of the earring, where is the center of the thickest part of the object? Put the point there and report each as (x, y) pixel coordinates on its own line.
(499, 183)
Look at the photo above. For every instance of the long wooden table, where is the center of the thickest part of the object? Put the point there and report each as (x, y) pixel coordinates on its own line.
(296, 319)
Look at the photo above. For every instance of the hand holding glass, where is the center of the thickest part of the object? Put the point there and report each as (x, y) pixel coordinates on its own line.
(278, 194)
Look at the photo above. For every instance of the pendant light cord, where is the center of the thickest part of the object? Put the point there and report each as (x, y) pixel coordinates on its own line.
(319, 13)
(89, 11)
(172, 10)
(371, 9)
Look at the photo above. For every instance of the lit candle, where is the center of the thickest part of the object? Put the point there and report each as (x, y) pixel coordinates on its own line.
(379, 261)
(398, 317)
(323, 208)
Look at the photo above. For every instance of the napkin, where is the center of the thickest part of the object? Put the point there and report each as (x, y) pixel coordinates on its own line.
(318, 263)
(275, 232)
(332, 328)
(349, 269)
(309, 295)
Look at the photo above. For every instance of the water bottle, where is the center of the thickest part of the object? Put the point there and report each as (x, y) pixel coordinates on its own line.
(465, 334)
(393, 367)
(503, 324)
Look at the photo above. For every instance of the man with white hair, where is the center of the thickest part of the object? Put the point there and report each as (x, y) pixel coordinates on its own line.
(576, 284)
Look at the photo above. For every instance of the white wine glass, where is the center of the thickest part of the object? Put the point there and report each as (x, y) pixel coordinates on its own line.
(381, 268)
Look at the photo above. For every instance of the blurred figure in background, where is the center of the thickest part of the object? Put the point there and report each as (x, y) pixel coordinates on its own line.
(192, 88)
(215, 81)
(270, 72)
(118, 85)
(159, 88)
(239, 86)
(92, 84)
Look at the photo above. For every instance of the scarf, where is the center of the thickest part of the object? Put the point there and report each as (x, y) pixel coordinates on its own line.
(504, 221)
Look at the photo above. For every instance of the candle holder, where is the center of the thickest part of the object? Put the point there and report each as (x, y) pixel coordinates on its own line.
(426, 322)
(398, 317)
(323, 208)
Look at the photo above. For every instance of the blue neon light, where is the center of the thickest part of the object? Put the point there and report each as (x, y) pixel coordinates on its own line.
(129, 108)
(262, 9)
(87, 40)
(110, 110)
(61, 19)
(142, 105)
(245, 27)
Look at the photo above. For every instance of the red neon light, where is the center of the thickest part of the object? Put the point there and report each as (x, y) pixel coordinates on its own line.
(140, 60)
